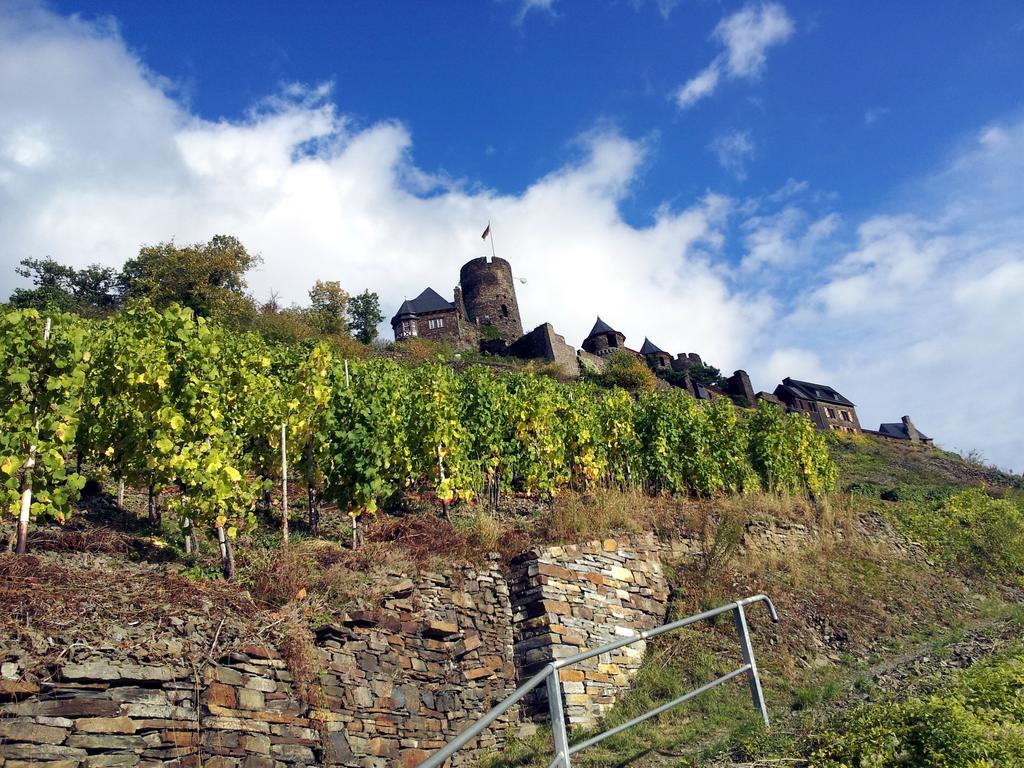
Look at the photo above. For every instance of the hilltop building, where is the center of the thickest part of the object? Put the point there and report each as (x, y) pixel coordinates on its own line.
(429, 316)
(826, 408)
(603, 339)
(484, 315)
(656, 357)
(487, 295)
(484, 306)
(902, 430)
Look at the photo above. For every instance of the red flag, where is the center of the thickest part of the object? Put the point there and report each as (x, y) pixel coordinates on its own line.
(486, 232)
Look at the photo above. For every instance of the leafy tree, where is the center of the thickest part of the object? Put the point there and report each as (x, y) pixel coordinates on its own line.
(208, 278)
(364, 316)
(329, 303)
(705, 374)
(90, 291)
(288, 324)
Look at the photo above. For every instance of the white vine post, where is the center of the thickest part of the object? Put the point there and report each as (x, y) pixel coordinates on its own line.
(26, 494)
(346, 373)
(284, 482)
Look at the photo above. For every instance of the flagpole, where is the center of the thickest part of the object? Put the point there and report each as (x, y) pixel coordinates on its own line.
(491, 236)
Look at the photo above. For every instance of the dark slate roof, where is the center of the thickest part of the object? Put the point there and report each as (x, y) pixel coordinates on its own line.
(810, 391)
(651, 349)
(430, 301)
(899, 430)
(601, 327)
(404, 311)
(427, 302)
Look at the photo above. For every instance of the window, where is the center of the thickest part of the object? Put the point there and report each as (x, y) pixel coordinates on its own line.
(831, 413)
(845, 415)
(409, 328)
(436, 322)
(504, 310)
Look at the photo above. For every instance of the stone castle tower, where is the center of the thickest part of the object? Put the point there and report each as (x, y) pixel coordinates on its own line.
(488, 295)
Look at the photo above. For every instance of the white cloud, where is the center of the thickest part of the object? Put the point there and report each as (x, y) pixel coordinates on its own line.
(699, 86)
(748, 34)
(319, 197)
(733, 150)
(525, 6)
(746, 37)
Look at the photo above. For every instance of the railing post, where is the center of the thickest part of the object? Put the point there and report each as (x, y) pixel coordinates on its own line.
(748, 658)
(558, 732)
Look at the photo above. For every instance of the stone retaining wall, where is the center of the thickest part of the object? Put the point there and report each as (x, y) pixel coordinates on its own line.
(570, 599)
(396, 683)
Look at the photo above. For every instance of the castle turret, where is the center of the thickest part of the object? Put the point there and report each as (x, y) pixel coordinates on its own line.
(655, 355)
(489, 295)
(603, 339)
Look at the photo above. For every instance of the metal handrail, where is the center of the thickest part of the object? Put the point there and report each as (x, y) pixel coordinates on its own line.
(549, 674)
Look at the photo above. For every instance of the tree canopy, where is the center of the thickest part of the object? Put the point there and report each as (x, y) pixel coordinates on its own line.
(364, 316)
(208, 278)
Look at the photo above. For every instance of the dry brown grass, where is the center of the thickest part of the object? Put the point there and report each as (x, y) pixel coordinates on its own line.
(297, 646)
(575, 517)
(325, 577)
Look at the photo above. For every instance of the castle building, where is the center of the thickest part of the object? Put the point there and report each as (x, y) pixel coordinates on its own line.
(603, 339)
(484, 305)
(902, 430)
(488, 296)
(656, 357)
(427, 316)
(823, 405)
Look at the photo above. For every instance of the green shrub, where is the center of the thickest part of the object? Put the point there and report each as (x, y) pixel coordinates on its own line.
(972, 530)
(626, 370)
(978, 722)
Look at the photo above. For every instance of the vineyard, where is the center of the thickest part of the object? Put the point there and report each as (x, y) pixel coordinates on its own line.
(211, 417)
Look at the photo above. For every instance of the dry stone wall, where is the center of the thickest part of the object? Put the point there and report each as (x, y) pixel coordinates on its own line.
(395, 683)
(404, 681)
(574, 598)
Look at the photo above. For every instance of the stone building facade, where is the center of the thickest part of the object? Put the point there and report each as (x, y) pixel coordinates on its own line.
(488, 294)
(603, 339)
(429, 316)
(821, 403)
(655, 356)
(484, 306)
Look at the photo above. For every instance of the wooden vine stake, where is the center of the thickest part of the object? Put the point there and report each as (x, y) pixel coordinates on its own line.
(26, 483)
(284, 483)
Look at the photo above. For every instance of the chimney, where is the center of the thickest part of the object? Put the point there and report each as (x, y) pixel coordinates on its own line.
(912, 432)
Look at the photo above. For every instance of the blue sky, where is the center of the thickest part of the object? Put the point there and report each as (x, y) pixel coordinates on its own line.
(862, 96)
(828, 191)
